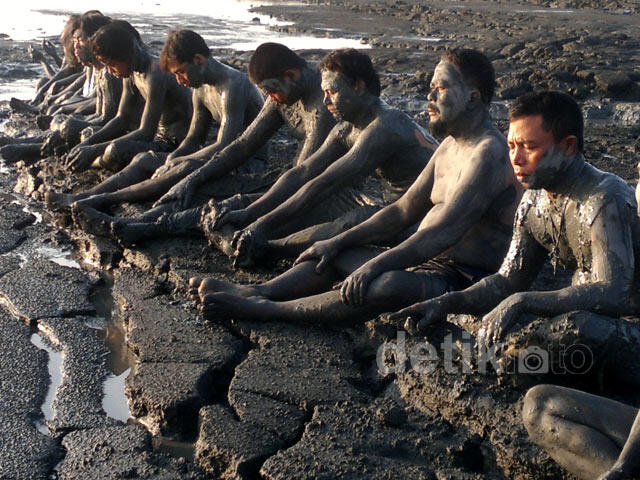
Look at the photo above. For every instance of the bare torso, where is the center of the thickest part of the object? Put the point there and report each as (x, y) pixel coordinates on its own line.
(485, 243)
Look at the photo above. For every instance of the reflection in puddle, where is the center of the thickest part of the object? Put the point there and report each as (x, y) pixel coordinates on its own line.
(114, 402)
(54, 367)
(175, 448)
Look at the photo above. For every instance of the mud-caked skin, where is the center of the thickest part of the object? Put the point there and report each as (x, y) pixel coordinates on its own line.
(370, 137)
(294, 101)
(165, 115)
(221, 94)
(464, 201)
(585, 220)
(603, 445)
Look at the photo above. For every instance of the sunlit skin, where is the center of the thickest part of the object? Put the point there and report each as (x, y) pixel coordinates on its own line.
(117, 68)
(281, 90)
(449, 94)
(342, 98)
(528, 143)
(189, 74)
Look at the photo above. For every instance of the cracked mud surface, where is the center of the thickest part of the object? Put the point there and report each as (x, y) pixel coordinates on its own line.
(277, 401)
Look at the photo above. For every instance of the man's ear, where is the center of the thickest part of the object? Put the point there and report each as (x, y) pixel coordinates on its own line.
(291, 74)
(569, 144)
(360, 86)
(199, 59)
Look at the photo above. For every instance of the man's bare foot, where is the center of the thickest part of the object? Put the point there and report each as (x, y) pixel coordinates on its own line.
(21, 106)
(91, 220)
(249, 246)
(211, 285)
(224, 306)
(58, 201)
(127, 234)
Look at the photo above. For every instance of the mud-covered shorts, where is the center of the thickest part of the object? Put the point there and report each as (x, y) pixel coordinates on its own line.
(450, 275)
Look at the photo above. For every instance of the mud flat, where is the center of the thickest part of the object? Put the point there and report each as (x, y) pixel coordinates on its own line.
(247, 400)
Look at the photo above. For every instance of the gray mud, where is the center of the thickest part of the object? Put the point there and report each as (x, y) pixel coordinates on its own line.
(246, 400)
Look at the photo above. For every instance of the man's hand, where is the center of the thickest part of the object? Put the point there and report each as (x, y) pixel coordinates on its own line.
(36, 55)
(324, 250)
(237, 218)
(354, 288)
(80, 157)
(420, 315)
(498, 322)
(181, 193)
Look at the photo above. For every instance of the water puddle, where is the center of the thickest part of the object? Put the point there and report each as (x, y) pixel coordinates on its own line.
(175, 448)
(115, 403)
(120, 359)
(54, 366)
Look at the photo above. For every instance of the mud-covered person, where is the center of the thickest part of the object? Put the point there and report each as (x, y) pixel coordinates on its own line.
(369, 138)
(65, 131)
(463, 201)
(579, 217)
(221, 95)
(592, 437)
(166, 106)
(295, 100)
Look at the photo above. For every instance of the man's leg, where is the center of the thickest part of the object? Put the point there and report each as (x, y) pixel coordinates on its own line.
(141, 167)
(390, 291)
(582, 432)
(145, 188)
(294, 244)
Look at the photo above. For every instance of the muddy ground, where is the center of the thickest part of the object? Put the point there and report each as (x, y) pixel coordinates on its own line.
(250, 400)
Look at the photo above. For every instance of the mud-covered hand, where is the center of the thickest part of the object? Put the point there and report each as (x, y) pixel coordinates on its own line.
(354, 288)
(237, 218)
(181, 194)
(49, 47)
(324, 250)
(36, 55)
(420, 315)
(80, 157)
(498, 322)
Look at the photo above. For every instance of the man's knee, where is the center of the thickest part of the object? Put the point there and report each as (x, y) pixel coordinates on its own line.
(115, 156)
(536, 410)
(387, 289)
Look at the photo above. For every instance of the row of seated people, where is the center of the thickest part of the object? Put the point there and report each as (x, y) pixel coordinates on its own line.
(463, 226)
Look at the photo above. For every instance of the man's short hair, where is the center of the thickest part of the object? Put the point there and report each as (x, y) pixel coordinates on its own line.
(180, 47)
(117, 40)
(91, 21)
(271, 60)
(354, 65)
(66, 39)
(476, 70)
(561, 114)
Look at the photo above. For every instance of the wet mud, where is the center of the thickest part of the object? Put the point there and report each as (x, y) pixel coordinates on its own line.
(246, 400)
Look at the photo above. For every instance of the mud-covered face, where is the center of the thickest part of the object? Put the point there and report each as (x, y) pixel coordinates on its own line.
(117, 68)
(341, 98)
(536, 158)
(281, 91)
(189, 74)
(448, 97)
(81, 48)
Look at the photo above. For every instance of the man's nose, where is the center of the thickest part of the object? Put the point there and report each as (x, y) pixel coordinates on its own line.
(326, 100)
(517, 156)
(431, 96)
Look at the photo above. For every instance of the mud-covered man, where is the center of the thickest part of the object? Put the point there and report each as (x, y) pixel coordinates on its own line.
(166, 106)
(464, 202)
(221, 94)
(294, 100)
(370, 137)
(579, 217)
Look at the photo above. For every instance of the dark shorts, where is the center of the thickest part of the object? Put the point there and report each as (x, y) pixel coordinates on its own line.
(443, 275)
